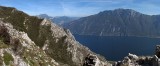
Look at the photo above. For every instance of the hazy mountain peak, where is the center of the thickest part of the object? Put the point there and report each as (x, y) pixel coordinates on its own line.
(120, 11)
(44, 16)
(58, 19)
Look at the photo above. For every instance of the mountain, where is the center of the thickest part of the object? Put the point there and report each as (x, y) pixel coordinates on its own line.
(44, 16)
(30, 41)
(118, 22)
(59, 19)
(64, 19)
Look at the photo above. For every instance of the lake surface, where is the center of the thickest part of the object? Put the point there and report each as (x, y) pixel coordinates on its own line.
(116, 48)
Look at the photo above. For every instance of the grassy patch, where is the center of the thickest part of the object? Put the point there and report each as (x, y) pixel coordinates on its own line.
(7, 58)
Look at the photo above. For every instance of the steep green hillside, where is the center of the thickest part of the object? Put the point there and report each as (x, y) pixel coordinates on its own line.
(31, 25)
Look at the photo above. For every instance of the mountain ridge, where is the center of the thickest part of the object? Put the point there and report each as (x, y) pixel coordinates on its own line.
(48, 39)
(118, 22)
(59, 20)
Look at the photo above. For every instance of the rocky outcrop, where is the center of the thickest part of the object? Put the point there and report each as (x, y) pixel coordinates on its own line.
(157, 52)
(134, 60)
(93, 60)
(17, 49)
(90, 60)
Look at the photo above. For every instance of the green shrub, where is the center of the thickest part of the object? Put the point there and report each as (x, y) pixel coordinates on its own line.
(7, 58)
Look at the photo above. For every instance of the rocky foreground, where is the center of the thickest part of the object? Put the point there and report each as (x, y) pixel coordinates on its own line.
(133, 60)
(29, 41)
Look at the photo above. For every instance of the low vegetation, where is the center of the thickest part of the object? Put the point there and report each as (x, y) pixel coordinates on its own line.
(7, 58)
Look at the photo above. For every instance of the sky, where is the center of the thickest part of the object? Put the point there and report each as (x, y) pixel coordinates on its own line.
(80, 8)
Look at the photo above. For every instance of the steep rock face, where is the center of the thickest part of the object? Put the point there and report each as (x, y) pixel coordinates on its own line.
(53, 41)
(17, 49)
(118, 22)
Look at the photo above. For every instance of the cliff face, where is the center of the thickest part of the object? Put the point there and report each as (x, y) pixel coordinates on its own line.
(17, 49)
(29, 41)
(118, 22)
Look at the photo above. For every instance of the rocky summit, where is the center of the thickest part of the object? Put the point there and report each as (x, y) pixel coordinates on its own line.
(29, 41)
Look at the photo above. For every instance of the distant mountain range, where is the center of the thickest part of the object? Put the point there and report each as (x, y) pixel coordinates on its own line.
(118, 22)
(59, 19)
(44, 16)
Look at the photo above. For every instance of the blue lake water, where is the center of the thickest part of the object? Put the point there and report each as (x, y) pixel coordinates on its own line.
(116, 48)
